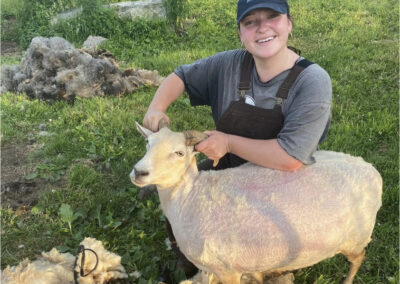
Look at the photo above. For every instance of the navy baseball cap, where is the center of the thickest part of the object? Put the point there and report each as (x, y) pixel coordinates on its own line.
(246, 6)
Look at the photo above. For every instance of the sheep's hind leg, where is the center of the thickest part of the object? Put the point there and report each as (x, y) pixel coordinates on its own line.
(355, 263)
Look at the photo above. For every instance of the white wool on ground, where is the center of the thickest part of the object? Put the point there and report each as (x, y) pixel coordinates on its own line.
(54, 267)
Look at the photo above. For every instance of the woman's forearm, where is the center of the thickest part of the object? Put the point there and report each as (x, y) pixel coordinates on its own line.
(170, 89)
(266, 153)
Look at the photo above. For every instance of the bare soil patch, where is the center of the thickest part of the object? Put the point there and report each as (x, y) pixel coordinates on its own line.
(16, 190)
(10, 48)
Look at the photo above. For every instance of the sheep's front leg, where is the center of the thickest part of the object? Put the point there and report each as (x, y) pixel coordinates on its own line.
(213, 279)
(259, 277)
(233, 278)
(355, 263)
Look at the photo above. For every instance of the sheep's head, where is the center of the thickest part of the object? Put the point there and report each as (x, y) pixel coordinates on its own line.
(168, 157)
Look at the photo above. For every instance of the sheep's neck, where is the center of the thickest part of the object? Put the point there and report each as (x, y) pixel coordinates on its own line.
(179, 190)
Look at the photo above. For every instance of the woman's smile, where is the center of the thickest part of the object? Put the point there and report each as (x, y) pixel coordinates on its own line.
(265, 40)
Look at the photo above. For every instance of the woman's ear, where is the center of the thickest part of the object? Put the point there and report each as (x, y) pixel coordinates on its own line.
(240, 37)
(290, 24)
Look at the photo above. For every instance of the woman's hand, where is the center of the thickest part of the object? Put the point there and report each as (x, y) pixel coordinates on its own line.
(215, 146)
(152, 118)
(170, 89)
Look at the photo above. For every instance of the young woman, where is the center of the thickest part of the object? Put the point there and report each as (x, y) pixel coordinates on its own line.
(271, 107)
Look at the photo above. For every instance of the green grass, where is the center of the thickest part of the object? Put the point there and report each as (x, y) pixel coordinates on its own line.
(94, 142)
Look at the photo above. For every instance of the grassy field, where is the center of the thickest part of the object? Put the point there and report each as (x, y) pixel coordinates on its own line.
(84, 165)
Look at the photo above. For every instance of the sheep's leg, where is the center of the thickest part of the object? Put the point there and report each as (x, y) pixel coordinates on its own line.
(355, 263)
(259, 277)
(213, 279)
(231, 278)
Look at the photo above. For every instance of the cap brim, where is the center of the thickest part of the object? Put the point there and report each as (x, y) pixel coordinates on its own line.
(272, 6)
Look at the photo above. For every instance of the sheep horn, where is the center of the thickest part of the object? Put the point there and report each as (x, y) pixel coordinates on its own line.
(163, 123)
(193, 137)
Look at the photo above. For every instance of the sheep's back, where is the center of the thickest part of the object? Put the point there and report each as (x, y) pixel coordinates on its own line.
(252, 218)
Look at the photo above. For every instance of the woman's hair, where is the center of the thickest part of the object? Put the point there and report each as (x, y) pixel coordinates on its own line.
(298, 51)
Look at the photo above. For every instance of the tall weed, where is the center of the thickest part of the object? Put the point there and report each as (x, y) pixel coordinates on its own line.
(176, 12)
(99, 22)
(34, 17)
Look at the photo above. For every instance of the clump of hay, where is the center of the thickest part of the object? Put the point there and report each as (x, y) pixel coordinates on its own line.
(52, 69)
(97, 266)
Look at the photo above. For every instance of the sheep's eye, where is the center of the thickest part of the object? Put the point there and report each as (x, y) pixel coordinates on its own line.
(179, 153)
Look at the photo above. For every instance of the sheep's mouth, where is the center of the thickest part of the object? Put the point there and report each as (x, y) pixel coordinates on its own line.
(138, 182)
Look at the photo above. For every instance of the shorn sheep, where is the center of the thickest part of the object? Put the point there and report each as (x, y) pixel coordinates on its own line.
(93, 265)
(256, 220)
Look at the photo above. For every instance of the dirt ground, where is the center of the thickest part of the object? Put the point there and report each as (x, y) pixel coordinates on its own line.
(9, 48)
(16, 191)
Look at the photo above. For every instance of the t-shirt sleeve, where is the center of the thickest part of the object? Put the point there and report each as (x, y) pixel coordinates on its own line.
(308, 115)
(196, 76)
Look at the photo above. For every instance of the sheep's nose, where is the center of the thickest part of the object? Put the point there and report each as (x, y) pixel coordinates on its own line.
(139, 173)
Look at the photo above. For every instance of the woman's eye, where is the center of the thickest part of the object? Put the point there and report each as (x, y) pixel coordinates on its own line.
(273, 15)
(179, 153)
(249, 23)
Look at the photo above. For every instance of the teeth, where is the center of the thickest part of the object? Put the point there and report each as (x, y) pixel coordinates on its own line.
(266, 40)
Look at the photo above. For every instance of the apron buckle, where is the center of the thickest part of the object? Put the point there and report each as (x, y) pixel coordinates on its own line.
(279, 101)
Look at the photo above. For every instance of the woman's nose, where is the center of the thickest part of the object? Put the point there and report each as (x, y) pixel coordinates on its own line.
(263, 24)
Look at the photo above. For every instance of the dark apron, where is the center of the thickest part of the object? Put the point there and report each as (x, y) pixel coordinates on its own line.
(251, 121)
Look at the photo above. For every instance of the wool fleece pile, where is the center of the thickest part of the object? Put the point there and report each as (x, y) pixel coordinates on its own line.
(52, 69)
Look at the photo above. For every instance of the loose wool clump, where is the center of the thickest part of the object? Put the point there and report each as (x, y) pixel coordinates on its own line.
(252, 219)
(52, 69)
(54, 267)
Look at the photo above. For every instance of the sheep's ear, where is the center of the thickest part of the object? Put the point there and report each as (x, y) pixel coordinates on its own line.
(193, 137)
(143, 131)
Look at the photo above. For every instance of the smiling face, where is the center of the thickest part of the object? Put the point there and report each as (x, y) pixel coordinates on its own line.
(265, 33)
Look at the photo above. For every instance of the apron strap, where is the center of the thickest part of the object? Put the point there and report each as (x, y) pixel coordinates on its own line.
(245, 74)
(283, 90)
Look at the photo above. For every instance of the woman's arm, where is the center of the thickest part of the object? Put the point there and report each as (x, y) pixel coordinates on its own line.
(265, 153)
(307, 119)
(170, 89)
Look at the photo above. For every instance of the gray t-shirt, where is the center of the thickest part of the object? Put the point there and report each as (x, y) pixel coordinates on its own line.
(213, 81)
